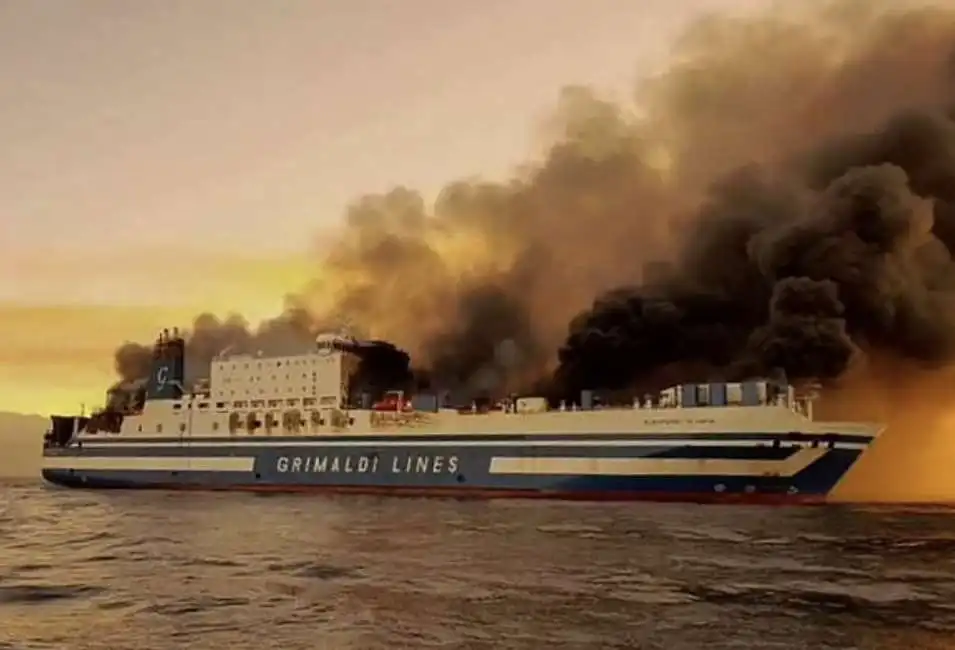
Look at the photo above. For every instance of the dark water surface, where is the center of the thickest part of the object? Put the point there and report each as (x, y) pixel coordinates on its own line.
(144, 571)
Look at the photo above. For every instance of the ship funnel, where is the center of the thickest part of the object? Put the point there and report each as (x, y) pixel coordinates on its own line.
(168, 369)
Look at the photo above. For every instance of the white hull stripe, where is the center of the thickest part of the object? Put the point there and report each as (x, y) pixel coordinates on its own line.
(625, 434)
(675, 442)
(150, 464)
(656, 466)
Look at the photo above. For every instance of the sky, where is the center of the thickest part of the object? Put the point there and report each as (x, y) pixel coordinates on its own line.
(161, 157)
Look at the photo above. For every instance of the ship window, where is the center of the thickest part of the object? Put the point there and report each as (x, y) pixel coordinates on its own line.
(215, 426)
(351, 421)
(139, 428)
(292, 402)
(220, 405)
(177, 407)
(309, 401)
(278, 364)
(204, 405)
(182, 427)
(258, 402)
(158, 428)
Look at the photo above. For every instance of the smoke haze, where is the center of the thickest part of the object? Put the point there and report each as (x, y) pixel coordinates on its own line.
(780, 199)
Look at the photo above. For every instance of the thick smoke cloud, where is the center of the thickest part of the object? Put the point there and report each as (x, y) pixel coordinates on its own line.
(781, 199)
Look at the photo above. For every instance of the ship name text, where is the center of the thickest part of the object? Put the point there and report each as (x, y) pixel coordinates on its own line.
(680, 421)
(367, 464)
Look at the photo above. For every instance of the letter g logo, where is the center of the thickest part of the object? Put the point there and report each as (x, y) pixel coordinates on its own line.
(162, 375)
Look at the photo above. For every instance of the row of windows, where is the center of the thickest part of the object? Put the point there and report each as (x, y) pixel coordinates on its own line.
(215, 425)
(308, 361)
(182, 427)
(259, 403)
(267, 391)
(229, 380)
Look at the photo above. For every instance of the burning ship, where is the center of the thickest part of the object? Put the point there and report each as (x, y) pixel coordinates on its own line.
(299, 423)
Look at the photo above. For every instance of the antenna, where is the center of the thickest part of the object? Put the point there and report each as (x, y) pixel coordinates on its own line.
(182, 389)
(221, 354)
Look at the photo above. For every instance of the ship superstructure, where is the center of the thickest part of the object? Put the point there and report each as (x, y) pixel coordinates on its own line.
(300, 422)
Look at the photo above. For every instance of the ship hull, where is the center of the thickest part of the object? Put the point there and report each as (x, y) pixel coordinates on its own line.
(707, 468)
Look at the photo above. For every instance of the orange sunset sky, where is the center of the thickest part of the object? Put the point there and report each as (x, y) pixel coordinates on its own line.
(161, 157)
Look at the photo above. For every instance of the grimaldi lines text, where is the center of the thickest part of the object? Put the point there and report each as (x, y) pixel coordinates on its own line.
(367, 464)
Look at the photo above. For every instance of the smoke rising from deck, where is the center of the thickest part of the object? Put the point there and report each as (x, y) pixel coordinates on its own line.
(781, 198)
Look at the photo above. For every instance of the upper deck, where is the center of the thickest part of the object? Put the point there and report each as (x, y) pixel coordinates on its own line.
(308, 395)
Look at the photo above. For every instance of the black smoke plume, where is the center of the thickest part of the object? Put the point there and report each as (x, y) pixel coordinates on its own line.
(781, 199)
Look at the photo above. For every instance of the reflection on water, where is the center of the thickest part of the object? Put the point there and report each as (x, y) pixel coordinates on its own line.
(113, 571)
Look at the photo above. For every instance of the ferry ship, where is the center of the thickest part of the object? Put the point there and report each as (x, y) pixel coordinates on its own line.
(296, 423)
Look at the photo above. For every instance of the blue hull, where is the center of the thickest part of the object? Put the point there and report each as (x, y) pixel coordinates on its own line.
(698, 468)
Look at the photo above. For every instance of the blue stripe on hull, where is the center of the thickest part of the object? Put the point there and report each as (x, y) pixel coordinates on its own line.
(461, 471)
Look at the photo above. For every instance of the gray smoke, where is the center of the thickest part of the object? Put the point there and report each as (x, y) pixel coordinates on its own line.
(780, 199)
